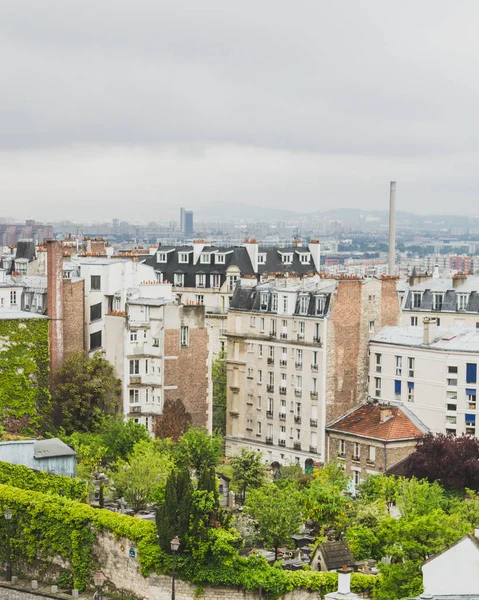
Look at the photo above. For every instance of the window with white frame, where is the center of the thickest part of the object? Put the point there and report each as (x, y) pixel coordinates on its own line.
(282, 433)
(134, 367)
(320, 304)
(303, 304)
(287, 258)
(356, 478)
(437, 301)
(249, 424)
(250, 373)
(285, 304)
(299, 357)
(416, 299)
(461, 301)
(261, 324)
(260, 350)
(134, 396)
(161, 257)
(372, 454)
(377, 386)
(252, 321)
(261, 259)
(378, 362)
(183, 258)
(259, 401)
(200, 280)
(232, 282)
(250, 347)
(410, 391)
(259, 428)
(371, 326)
(270, 377)
(282, 411)
(199, 299)
(13, 296)
(205, 258)
(178, 280)
(220, 259)
(410, 366)
(270, 406)
(299, 382)
(414, 321)
(304, 258)
(260, 376)
(263, 301)
(356, 450)
(215, 281)
(342, 448)
(302, 328)
(398, 360)
(274, 302)
(133, 336)
(184, 335)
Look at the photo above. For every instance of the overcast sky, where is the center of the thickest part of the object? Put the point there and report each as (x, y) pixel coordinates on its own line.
(130, 108)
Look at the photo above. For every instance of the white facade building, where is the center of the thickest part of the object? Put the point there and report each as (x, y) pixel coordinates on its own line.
(432, 370)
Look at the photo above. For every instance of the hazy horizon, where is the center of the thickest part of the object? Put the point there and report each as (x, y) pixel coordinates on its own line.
(120, 108)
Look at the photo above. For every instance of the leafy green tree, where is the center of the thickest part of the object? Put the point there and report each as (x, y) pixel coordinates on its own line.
(197, 449)
(120, 436)
(142, 478)
(278, 513)
(84, 390)
(363, 542)
(416, 498)
(325, 499)
(248, 470)
(379, 487)
(396, 581)
(173, 514)
(218, 375)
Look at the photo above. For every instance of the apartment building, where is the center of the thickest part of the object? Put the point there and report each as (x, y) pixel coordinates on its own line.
(10, 292)
(432, 370)
(298, 358)
(453, 301)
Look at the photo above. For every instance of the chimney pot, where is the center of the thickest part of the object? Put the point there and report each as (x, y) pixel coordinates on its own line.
(344, 580)
(429, 330)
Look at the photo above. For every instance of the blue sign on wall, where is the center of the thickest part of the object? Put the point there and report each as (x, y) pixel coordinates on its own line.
(132, 553)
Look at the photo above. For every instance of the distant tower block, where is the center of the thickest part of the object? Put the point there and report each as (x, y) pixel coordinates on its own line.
(392, 228)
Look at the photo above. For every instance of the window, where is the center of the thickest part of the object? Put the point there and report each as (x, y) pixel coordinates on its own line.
(303, 304)
(451, 382)
(414, 321)
(377, 385)
(274, 302)
(260, 376)
(356, 478)
(95, 282)
(273, 327)
(398, 366)
(215, 281)
(315, 359)
(410, 366)
(260, 349)
(161, 257)
(95, 340)
(200, 280)
(205, 259)
(261, 324)
(249, 424)
(372, 454)
(471, 397)
(471, 373)
(250, 373)
(133, 336)
(342, 448)
(270, 377)
(410, 391)
(470, 420)
(371, 326)
(184, 335)
(317, 333)
(282, 433)
(250, 347)
(156, 342)
(261, 259)
(461, 301)
(357, 451)
(95, 312)
(183, 257)
(302, 328)
(269, 433)
(147, 395)
(178, 280)
(378, 363)
(437, 301)
(304, 258)
(285, 304)
(283, 408)
(232, 282)
(320, 304)
(287, 259)
(416, 300)
(314, 385)
(134, 367)
(271, 352)
(134, 396)
(199, 299)
(259, 402)
(13, 297)
(299, 358)
(452, 370)
(299, 382)
(263, 301)
(270, 405)
(397, 388)
(298, 435)
(259, 428)
(252, 321)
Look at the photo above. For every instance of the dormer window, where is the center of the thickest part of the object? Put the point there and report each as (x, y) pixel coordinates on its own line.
(304, 258)
(274, 302)
(437, 301)
(161, 257)
(287, 259)
(205, 259)
(461, 301)
(320, 304)
(261, 259)
(220, 259)
(303, 304)
(183, 257)
(263, 301)
(416, 299)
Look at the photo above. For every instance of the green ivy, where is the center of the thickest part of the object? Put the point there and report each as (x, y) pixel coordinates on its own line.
(24, 368)
(44, 525)
(39, 481)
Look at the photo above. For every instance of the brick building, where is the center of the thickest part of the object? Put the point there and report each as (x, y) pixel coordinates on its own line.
(372, 437)
(298, 359)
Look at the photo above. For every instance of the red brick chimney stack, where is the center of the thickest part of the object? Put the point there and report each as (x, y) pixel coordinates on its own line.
(55, 302)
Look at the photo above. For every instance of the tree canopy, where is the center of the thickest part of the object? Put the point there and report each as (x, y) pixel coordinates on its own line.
(174, 420)
(248, 470)
(197, 449)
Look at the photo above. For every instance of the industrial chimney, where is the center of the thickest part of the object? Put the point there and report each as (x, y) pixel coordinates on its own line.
(392, 228)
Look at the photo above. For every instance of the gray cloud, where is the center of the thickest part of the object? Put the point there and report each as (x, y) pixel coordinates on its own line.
(300, 105)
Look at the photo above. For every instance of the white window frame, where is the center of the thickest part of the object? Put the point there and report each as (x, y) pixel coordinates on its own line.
(184, 335)
(179, 279)
(184, 258)
(205, 259)
(200, 280)
(220, 259)
(161, 257)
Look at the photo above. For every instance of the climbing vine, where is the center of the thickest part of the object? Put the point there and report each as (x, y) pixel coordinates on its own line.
(24, 369)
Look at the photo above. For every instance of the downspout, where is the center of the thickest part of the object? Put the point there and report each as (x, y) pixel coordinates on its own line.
(323, 402)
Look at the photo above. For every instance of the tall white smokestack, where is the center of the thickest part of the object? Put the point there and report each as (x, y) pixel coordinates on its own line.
(392, 228)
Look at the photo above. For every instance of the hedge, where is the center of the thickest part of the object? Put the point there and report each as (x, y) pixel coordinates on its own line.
(39, 481)
(45, 525)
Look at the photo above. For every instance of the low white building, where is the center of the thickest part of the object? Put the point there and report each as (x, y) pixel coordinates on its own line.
(432, 370)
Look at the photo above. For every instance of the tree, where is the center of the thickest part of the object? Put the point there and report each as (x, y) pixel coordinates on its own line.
(173, 514)
(173, 422)
(278, 513)
(403, 580)
(218, 375)
(417, 498)
(84, 391)
(248, 470)
(120, 436)
(451, 460)
(142, 478)
(197, 449)
(326, 500)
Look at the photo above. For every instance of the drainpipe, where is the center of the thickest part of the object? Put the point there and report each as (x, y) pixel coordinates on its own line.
(323, 403)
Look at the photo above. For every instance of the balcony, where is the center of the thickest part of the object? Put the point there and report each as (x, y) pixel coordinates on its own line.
(317, 339)
(270, 361)
(297, 445)
(282, 416)
(298, 392)
(284, 336)
(269, 440)
(313, 449)
(283, 363)
(300, 336)
(314, 367)
(282, 391)
(297, 418)
(269, 414)
(272, 334)
(282, 443)
(313, 422)
(356, 458)
(270, 387)
(314, 395)
(299, 365)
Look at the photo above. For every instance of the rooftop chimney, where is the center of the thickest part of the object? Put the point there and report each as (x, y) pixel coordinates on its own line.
(55, 302)
(458, 279)
(429, 330)
(344, 586)
(385, 412)
(392, 228)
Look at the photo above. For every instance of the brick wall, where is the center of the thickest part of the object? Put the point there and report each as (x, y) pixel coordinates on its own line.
(73, 317)
(389, 303)
(55, 302)
(187, 369)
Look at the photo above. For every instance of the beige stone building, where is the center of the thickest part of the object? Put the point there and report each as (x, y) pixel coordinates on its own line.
(372, 437)
(298, 358)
